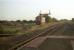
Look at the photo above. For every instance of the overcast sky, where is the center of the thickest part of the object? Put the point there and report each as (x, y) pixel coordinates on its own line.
(29, 9)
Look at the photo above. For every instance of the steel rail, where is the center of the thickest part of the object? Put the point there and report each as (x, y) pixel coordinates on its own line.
(39, 34)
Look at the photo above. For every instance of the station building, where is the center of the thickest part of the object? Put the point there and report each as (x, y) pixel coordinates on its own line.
(41, 18)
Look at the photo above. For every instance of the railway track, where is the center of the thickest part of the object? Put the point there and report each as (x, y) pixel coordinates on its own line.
(14, 47)
(65, 29)
(47, 31)
(51, 30)
(70, 29)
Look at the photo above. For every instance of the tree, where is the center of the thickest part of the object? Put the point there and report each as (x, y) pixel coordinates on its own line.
(48, 19)
(64, 20)
(72, 19)
(18, 21)
(54, 20)
(31, 21)
(25, 21)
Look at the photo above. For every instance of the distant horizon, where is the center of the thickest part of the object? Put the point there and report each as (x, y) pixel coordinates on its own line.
(29, 9)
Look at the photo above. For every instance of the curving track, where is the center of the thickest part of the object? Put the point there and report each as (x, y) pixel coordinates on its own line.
(33, 36)
(58, 29)
(59, 32)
